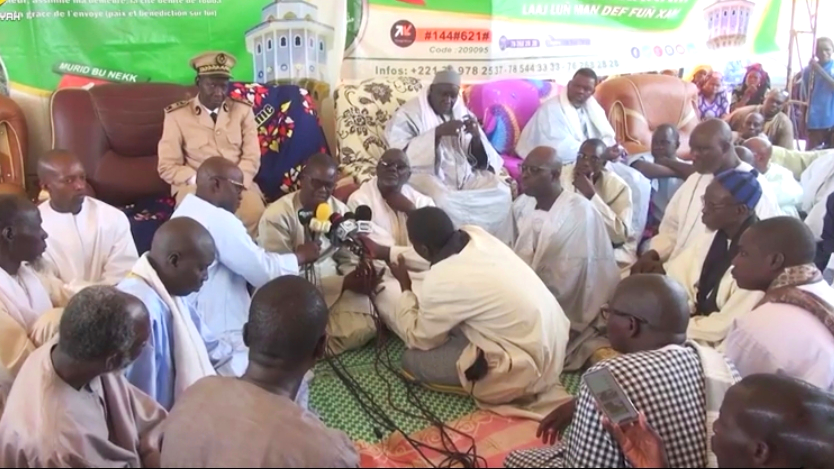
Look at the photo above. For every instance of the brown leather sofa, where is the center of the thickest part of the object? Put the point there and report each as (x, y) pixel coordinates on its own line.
(637, 104)
(114, 130)
(14, 144)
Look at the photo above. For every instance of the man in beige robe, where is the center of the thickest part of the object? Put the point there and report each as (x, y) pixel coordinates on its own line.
(71, 406)
(453, 161)
(344, 287)
(252, 421)
(609, 194)
(89, 241)
(484, 323)
(208, 125)
(704, 270)
(391, 199)
(28, 299)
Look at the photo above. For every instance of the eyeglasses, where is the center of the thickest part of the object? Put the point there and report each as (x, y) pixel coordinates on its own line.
(237, 185)
(400, 167)
(319, 184)
(607, 311)
(713, 206)
(526, 168)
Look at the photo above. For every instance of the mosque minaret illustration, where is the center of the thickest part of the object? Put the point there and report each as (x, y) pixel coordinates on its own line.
(289, 43)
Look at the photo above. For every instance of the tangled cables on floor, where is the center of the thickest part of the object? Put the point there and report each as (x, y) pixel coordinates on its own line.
(383, 423)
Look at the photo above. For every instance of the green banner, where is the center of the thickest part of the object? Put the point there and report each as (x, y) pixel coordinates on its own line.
(49, 44)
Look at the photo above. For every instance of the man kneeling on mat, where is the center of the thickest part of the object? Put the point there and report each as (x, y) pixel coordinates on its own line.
(484, 323)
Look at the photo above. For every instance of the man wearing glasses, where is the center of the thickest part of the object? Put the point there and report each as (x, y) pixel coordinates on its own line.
(609, 194)
(212, 124)
(345, 287)
(675, 383)
(223, 301)
(703, 268)
(391, 199)
(562, 238)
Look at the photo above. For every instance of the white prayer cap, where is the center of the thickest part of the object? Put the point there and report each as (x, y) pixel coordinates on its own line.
(448, 76)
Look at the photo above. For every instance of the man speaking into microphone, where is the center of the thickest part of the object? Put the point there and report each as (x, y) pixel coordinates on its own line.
(389, 199)
(346, 287)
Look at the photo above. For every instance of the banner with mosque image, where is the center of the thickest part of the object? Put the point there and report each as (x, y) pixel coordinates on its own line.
(551, 39)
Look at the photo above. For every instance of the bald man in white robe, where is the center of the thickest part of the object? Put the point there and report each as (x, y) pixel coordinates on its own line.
(89, 241)
(563, 238)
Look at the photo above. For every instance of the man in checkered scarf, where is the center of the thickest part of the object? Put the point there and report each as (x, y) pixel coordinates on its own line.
(677, 385)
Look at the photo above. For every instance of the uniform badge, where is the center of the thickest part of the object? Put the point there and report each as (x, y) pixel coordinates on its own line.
(221, 59)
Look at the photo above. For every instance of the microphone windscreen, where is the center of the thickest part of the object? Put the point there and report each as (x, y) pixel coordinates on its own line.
(323, 212)
(304, 216)
(350, 216)
(364, 213)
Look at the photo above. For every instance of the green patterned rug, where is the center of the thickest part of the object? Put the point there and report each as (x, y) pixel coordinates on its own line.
(336, 406)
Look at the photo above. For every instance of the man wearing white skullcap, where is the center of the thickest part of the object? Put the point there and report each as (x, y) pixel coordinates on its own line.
(451, 158)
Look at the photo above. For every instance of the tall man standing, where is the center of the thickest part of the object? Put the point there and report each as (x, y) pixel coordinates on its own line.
(452, 159)
(212, 124)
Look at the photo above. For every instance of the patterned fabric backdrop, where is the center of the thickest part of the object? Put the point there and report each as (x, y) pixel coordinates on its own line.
(281, 112)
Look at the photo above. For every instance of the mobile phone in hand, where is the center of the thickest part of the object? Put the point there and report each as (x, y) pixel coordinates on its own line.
(610, 397)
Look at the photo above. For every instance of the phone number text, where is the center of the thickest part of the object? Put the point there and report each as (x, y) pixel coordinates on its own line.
(505, 69)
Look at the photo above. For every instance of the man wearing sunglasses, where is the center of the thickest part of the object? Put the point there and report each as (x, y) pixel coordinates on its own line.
(391, 199)
(560, 235)
(346, 287)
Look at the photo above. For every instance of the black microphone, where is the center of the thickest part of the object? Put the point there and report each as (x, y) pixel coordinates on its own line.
(305, 216)
(364, 215)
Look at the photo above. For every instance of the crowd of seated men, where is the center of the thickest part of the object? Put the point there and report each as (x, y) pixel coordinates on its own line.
(719, 329)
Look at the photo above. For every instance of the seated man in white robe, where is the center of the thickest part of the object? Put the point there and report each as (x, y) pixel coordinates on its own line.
(71, 406)
(817, 182)
(29, 301)
(566, 122)
(565, 241)
(753, 127)
(223, 300)
(452, 160)
(181, 349)
(788, 190)
(391, 199)
(484, 324)
(791, 330)
(712, 152)
(89, 241)
(665, 170)
(610, 197)
(704, 267)
(345, 287)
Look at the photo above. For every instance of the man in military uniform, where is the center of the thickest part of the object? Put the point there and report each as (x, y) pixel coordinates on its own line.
(212, 124)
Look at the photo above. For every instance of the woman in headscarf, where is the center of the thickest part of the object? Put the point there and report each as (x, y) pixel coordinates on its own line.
(699, 75)
(712, 98)
(753, 89)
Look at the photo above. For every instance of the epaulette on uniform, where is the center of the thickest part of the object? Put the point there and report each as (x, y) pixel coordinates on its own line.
(177, 105)
(241, 101)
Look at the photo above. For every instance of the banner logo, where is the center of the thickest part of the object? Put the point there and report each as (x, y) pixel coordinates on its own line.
(403, 33)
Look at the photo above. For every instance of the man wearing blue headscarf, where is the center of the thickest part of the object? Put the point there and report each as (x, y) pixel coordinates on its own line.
(704, 267)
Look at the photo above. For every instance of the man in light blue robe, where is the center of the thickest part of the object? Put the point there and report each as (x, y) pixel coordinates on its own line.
(181, 349)
(223, 301)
